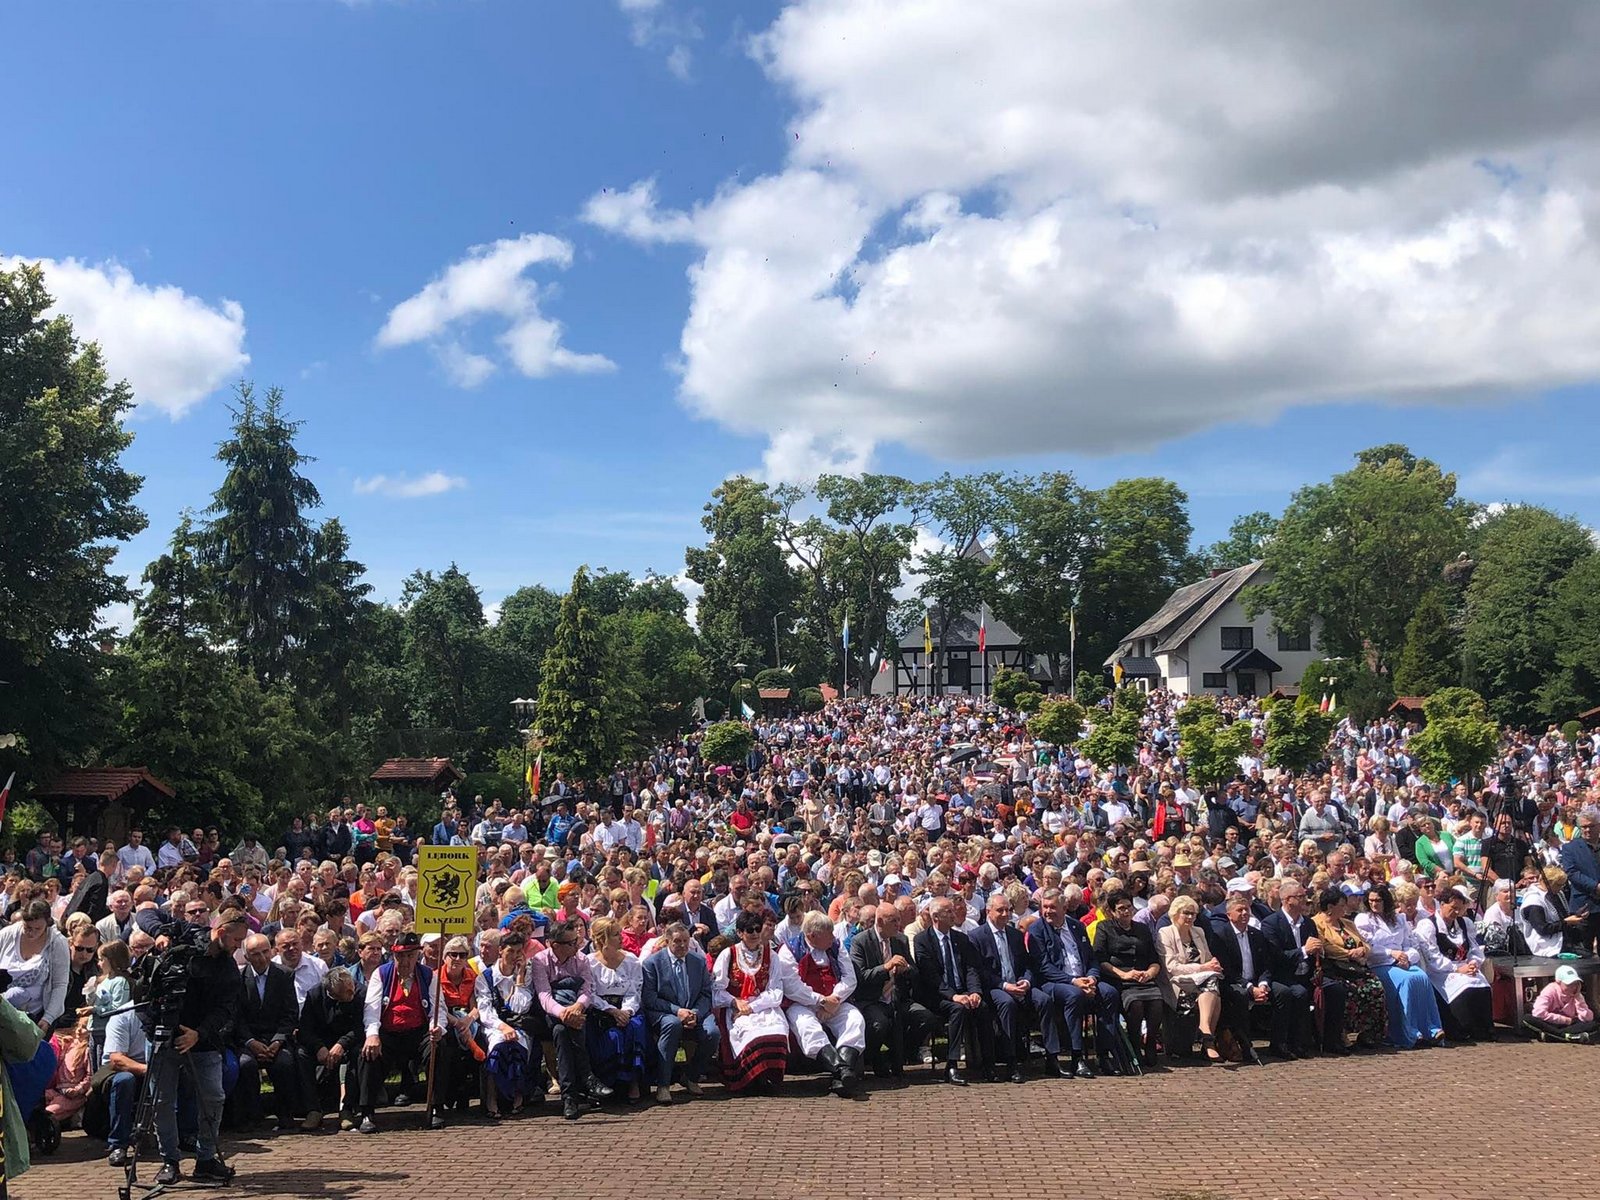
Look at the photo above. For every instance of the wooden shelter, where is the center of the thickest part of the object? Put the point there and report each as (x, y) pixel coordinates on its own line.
(428, 774)
(107, 800)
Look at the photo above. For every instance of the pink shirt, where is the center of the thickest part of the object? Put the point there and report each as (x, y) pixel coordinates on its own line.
(1559, 1008)
(545, 968)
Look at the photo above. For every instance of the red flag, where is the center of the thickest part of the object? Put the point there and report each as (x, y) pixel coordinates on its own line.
(983, 633)
(1323, 707)
(5, 795)
(883, 664)
(534, 772)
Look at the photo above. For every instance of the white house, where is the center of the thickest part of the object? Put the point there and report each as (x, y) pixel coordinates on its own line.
(1201, 640)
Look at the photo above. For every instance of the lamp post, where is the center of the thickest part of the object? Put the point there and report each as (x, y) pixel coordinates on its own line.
(523, 709)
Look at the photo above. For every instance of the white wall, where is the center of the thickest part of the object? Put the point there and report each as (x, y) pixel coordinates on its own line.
(1205, 652)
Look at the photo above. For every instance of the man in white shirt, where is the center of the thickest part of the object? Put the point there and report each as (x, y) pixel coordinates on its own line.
(307, 969)
(136, 853)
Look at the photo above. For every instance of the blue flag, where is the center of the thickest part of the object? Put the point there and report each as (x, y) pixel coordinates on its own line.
(844, 636)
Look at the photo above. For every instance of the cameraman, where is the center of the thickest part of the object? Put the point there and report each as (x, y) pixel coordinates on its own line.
(206, 1015)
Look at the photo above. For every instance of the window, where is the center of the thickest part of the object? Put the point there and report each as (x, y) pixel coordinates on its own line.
(1288, 640)
(1214, 679)
(1238, 637)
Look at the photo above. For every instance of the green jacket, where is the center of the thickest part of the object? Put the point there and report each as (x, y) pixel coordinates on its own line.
(19, 1042)
(1425, 856)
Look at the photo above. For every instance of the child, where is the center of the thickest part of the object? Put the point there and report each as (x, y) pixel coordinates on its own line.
(69, 1090)
(111, 992)
(1561, 1008)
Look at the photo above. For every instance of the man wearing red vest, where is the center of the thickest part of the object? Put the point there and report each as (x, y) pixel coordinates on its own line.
(828, 1027)
(399, 1018)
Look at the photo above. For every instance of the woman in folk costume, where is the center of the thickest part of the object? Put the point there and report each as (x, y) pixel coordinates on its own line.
(748, 991)
(819, 984)
(615, 1027)
(459, 1052)
(504, 1000)
(1454, 959)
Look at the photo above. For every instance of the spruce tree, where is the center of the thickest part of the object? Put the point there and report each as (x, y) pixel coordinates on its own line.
(575, 721)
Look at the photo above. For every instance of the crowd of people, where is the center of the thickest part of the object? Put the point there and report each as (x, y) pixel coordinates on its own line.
(887, 883)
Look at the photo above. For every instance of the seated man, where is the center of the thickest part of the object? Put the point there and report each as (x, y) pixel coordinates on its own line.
(948, 982)
(886, 988)
(1293, 947)
(399, 1019)
(126, 1052)
(677, 1009)
(1006, 980)
(1066, 987)
(1246, 970)
(328, 1037)
(828, 1027)
(562, 981)
(264, 1036)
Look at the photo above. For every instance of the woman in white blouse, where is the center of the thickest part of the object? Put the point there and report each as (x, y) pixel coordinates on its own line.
(615, 1028)
(1396, 959)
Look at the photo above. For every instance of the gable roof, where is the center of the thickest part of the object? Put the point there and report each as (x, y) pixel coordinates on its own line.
(1190, 607)
(963, 632)
(425, 772)
(101, 783)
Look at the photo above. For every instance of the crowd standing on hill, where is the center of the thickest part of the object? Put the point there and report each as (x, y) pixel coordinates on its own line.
(889, 882)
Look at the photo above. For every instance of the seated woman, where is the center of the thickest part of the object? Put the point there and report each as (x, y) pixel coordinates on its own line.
(1193, 970)
(1436, 847)
(1347, 956)
(615, 1026)
(1127, 952)
(1396, 959)
(1454, 960)
(747, 992)
(1544, 920)
(1497, 927)
(460, 1050)
(1561, 1008)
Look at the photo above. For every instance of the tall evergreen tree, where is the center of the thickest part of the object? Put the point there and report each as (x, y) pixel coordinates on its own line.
(65, 499)
(259, 539)
(575, 719)
(1432, 656)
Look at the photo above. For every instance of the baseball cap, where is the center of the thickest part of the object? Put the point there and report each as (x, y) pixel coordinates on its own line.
(1567, 975)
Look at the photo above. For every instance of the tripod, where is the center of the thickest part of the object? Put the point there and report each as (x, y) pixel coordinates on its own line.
(161, 1051)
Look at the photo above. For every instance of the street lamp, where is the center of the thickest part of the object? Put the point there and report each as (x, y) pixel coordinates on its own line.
(523, 709)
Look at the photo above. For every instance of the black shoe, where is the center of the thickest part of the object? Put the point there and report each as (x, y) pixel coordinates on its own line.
(1016, 1075)
(1252, 1059)
(368, 1125)
(436, 1121)
(1053, 1067)
(401, 1100)
(118, 1156)
(1107, 1067)
(599, 1090)
(1082, 1070)
(954, 1075)
(169, 1174)
(212, 1170)
(570, 1108)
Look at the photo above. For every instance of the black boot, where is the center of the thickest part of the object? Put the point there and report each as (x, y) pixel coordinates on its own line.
(854, 1069)
(829, 1058)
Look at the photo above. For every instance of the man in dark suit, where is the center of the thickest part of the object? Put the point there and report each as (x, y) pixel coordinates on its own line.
(697, 914)
(885, 987)
(1066, 987)
(264, 1035)
(677, 1011)
(947, 981)
(1246, 970)
(90, 896)
(1292, 949)
(329, 1037)
(1580, 859)
(1007, 980)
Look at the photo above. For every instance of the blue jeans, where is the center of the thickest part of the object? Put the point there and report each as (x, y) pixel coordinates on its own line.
(122, 1097)
(196, 1075)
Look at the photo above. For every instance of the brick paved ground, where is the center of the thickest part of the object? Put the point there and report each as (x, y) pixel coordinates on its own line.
(1364, 1128)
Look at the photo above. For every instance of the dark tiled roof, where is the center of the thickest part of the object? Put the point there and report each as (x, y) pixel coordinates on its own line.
(416, 771)
(1132, 665)
(1188, 608)
(101, 783)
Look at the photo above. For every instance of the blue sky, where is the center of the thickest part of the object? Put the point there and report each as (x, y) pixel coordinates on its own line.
(317, 163)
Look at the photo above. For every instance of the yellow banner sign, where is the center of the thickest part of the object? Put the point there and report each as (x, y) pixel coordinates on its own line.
(447, 882)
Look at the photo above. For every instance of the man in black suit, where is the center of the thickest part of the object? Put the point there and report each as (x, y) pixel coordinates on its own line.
(1006, 978)
(1066, 987)
(885, 986)
(1246, 970)
(1293, 947)
(947, 980)
(329, 1037)
(90, 896)
(264, 1035)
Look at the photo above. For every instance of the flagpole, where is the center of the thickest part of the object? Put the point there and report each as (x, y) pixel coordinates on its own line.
(1072, 653)
(984, 649)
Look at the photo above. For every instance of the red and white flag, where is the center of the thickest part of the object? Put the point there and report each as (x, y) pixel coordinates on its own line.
(883, 664)
(5, 795)
(983, 633)
(1323, 707)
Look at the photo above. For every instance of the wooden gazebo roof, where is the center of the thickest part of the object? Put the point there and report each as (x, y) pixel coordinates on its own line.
(418, 772)
(133, 786)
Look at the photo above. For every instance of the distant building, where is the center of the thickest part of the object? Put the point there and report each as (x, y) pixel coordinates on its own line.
(1200, 640)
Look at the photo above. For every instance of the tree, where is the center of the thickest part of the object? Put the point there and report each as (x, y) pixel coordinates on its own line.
(65, 499)
(576, 720)
(1194, 710)
(1431, 658)
(523, 633)
(727, 743)
(1140, 555)
(444, 648)
(1355, 690)
(747, 580)
(1522, 555)
(1009, 685)
(1358, 551)
(1297, 734)
(1246, 541)
(1574, 616)
(1044, 529)
(1458, 740)
(258, 543)
(1091, 687)
(1059, 721)
(865, 559)
(960, 509)
(1114, 740)
(1212, 747)
(657, 655)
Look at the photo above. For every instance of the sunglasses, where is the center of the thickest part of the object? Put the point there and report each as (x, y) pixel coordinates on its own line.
(455, 954)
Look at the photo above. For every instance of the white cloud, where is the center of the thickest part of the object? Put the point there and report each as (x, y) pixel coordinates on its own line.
(401, 487)
(1026, 226)
(1525, 471)
(692, 592)
(174, 349)
(491, 281)
(655, 24)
